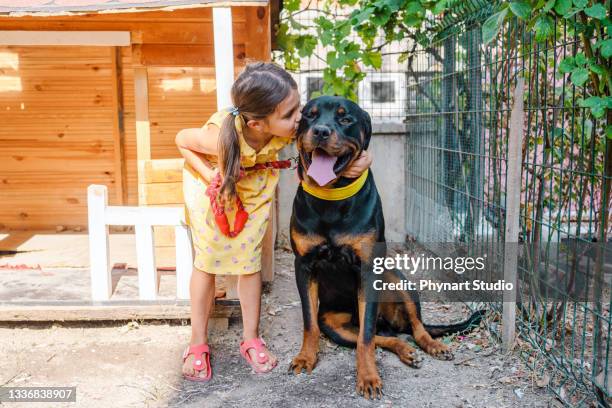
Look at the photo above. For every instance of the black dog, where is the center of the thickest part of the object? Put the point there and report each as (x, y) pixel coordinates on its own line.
(328, 236)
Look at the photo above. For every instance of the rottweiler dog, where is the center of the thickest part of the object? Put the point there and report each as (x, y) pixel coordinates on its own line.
(332, 237)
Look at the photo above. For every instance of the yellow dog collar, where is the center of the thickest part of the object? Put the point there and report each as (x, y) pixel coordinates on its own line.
(336, 194)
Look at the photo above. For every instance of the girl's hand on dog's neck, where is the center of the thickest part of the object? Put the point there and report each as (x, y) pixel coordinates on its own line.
(361, 164)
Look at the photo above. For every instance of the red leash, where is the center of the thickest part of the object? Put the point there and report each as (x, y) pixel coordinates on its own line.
(241, 214)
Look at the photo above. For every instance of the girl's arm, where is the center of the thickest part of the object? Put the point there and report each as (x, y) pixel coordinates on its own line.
(199, 163)
(361, 164)
(203, 140)
(192, 143)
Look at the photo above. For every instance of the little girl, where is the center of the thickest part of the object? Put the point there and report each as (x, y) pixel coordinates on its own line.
(264, 119)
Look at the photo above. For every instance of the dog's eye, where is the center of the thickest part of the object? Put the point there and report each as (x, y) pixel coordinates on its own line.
(309, 114)
(345, 121)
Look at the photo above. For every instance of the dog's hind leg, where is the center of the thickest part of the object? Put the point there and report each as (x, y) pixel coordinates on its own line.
(404, 315)
(338, 327)
(431, 346)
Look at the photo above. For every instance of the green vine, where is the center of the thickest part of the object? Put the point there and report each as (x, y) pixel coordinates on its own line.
(376, 23)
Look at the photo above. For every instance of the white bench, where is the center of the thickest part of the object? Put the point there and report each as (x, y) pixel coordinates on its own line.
(101, 215)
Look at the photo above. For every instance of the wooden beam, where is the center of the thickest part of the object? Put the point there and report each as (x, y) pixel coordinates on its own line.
(141, 100)
(513, 209)
(143, 128)
(274, 9)
(258, 42)
(161, 55)
(224, 55)
(118, 127)
(85, 38)
(115, 310)
(196, 31)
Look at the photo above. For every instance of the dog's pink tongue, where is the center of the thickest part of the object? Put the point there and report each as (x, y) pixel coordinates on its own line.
(322, 167)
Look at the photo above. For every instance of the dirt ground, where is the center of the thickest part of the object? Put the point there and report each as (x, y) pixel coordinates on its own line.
(137, 364)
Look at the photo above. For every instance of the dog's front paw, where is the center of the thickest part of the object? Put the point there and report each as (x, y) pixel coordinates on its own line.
(369, 385)
(409, 356)
(303, 361)
(439, 350)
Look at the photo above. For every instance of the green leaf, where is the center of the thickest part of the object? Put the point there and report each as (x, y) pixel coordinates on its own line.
(381, 17)
(609, 131)
(324, 23)
(373, 59)
(544, 27)
(580, 59)
(305, 45)
(439, 7)
(521, 9)
(581, 3)
(358, 17)
(352, 51)
(335, 61)
(596, 11)
(606, 48)
(562, 6)
(567, 65)
(548, 6)
(579, 76)
(343, 29)
(403, 57)
(415, 7)
(570, 13)
(598, 105)
(412, 21)
(394, 5)
(598, 69)
(591, 101)
(291, 5)
(491, 27)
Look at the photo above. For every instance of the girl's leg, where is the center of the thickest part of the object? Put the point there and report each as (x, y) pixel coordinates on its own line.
(202, 292)
(249, 292)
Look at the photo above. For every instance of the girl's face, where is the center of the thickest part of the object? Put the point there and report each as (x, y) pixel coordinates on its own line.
(286, 117)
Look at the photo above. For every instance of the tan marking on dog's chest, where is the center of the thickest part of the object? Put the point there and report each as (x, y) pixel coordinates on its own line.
(305, 242)
(362, 244)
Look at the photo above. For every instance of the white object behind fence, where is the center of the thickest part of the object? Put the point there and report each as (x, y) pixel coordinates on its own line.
(101, 215)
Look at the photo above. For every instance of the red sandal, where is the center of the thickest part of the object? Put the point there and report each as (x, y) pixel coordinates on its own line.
(260, 346)
(198, 350)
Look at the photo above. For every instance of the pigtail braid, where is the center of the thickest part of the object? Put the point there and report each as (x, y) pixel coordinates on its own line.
(229, 157)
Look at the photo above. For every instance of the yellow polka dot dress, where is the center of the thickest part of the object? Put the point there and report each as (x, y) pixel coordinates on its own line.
(214, 252)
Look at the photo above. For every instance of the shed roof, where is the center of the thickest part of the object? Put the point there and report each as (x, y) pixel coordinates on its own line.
(64, 7)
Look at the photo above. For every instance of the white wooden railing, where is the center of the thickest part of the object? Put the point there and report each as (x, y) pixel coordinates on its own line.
(101, 215)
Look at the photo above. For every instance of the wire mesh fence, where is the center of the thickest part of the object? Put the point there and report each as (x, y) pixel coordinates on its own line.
(459, 99)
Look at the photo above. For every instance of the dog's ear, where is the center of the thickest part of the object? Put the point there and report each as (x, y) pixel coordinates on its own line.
(366, 128)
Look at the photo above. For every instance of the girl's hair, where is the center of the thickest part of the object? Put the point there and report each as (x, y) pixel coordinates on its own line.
(258, 90)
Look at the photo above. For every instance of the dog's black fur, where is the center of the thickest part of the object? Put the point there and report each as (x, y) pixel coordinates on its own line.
(331, 241)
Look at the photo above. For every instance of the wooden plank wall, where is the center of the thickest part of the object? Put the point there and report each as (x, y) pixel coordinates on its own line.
(56, 135)
(57, 130)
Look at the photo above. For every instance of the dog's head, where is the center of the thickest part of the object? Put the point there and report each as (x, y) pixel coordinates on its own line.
(332, 133)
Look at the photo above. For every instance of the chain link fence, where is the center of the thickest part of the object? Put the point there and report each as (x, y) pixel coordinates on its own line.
(459, 99)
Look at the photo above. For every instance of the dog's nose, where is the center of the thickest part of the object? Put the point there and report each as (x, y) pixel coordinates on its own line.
(321, 132)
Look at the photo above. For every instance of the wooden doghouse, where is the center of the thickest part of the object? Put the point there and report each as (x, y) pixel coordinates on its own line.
(94, 92)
